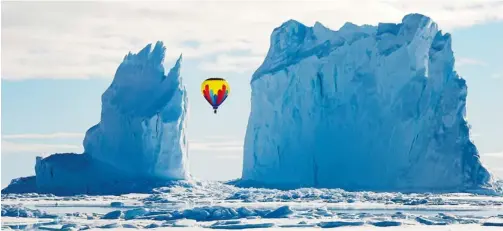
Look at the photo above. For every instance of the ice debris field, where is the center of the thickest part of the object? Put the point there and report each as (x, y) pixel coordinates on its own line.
(214, 205)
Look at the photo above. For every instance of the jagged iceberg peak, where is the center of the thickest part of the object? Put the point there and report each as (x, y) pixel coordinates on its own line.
(293, 40)
(361, 108)
(142, 127)
(138, 144)
(140, 85)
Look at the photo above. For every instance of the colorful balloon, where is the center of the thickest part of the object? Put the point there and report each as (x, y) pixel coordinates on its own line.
(215, 91)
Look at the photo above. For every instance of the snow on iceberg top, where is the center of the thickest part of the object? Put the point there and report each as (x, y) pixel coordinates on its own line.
(293, 41)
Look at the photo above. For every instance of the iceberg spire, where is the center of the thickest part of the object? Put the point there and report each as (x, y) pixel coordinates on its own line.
(140, 141)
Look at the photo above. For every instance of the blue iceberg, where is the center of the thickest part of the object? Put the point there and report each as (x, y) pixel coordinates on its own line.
(364, 108)
(139, 143)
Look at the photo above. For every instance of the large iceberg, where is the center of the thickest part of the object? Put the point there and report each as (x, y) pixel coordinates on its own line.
(363, 108)
(142, 127)
(139, 143)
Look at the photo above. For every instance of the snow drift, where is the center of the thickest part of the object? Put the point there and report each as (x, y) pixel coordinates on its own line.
(362, 108)
(139, 142)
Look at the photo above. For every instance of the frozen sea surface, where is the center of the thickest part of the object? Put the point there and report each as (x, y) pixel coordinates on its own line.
(211, 205)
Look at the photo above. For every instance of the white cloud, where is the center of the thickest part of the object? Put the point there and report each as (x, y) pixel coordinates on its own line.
(494, 162)
(214, 143)
(15, 147)
(473, 135)
(89, 39)
(497, 76)
(229, 63)
(9, 147)
(229, 156)
(493, 154)
(44, 136)
(468, 61)
(216, 146)
(216, 137)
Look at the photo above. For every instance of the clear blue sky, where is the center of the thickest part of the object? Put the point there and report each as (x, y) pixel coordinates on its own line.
(58, 58)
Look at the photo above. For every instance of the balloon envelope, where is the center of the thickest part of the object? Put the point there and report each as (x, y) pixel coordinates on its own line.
(215, 91)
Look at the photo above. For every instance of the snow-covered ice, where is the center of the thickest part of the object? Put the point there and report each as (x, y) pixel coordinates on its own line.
(139, 142)
(213, 205)
(362, 108)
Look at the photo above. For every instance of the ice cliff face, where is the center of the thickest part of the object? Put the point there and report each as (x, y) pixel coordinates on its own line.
(362, 108)
(142, 127)
(138, 144)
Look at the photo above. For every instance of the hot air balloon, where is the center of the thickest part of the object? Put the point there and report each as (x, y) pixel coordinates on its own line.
(215, 91)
